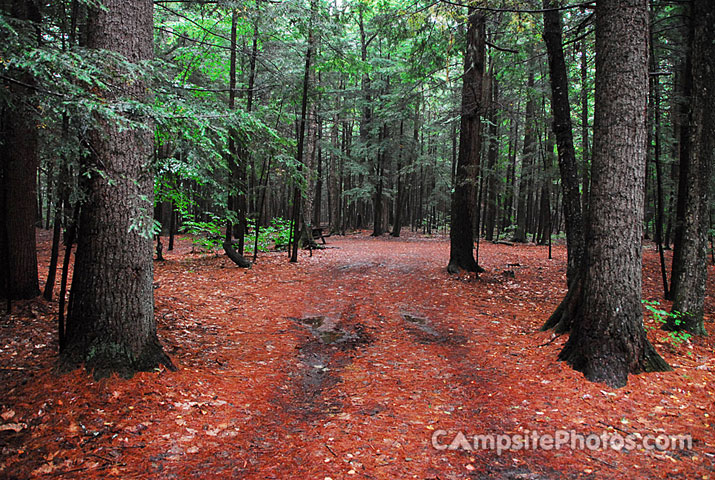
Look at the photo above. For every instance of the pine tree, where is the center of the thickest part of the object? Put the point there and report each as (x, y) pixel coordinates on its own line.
(110, 322)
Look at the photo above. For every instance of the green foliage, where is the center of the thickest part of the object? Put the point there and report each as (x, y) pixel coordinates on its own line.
(206, 233)
(275, 235)
(145, 225)
(662, 317)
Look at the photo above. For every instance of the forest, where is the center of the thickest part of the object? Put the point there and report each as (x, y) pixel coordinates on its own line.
(435, 239)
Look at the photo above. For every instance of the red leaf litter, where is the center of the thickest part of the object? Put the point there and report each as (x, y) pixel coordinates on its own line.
(366, 360)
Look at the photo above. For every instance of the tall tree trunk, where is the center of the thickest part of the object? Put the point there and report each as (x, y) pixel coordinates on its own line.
(309, 160)
(377, 201)
(564, 314)
(461, 234)
(510, 186)
(585, 168)
(311, 157)
(654, 109)
(248, 158)
(61, 204)
(690, 250)
(492, 156)
(545, 207)
(231, 158)
(236, 202)
(333, 177)
(110, 323)
(527, 161)
(172, 226)
(399, 199)
(297, 197)
(607, 339)
(48, 189)
(18, 177)
(318, 201)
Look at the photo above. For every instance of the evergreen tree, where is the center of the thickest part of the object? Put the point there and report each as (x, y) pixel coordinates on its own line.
(607, 340)
(110, 322)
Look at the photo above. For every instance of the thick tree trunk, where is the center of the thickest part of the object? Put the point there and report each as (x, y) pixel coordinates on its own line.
(18, 178)
(608, 340)
(110, 323)
(690, 251)
(461, 235)
(568, 168)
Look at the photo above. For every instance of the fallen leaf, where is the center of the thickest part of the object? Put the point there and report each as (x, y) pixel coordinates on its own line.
(16, 427)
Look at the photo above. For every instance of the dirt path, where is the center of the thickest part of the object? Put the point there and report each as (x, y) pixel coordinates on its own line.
(380, 365)
(372, 361)
(345, 366)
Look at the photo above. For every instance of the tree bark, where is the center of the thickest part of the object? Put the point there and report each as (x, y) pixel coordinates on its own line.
(510, 186)
(318, 201)
(461, 235)
(18, 177)
(655, 131)
(562, 317)
(527, 162)
(399, 199)
(492, 156)
(110, 322)
(608, 340)
(378, 208)
(585, 168)
(690, 250)
(297, 197)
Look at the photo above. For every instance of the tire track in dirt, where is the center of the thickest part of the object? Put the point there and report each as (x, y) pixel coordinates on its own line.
(366, 328)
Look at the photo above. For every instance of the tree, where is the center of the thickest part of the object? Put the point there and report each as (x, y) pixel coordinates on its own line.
(608, 340)
(237, 172)
(18, 170)
(110, 322)
(690, 249)
(492, 156)
(461, 235)
(399, 198)
(300, 154)
(562, 317)
(527, 160)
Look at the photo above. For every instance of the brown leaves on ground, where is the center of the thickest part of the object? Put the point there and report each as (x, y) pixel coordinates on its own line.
(345, 366)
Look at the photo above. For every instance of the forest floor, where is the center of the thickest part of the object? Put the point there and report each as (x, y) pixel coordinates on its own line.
(354, 363)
